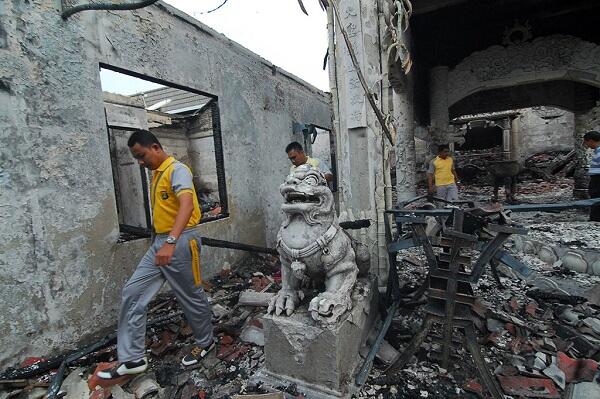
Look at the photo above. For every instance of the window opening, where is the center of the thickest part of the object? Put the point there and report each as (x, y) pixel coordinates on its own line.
(185, 121)
(318, 143)
(323, 147)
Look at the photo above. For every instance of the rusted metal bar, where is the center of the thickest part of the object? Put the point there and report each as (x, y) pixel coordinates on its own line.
(412, 347)
(212, 242)
(105, 6)
(488, 379)
(560, 206)
(363, 373)
(421, 238)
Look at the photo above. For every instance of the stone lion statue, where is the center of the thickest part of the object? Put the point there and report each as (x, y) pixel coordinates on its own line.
(314, 249)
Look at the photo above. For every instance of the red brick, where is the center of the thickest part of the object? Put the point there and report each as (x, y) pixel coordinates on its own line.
(515, 345)
(230, 353)
(577, 369)
(226, 340)
(531, 309)
(29, 361)
(529, 387)
(474, 386)
(511, 328)
(514, 304)
(101, 393)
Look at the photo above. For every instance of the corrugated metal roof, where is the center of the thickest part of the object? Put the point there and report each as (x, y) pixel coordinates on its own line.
(175, 100)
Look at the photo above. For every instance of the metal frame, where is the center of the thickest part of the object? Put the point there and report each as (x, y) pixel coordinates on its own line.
(451, 306)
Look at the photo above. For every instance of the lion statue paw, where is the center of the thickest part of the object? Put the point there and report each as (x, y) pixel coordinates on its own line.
(284, 300)
(328, 306)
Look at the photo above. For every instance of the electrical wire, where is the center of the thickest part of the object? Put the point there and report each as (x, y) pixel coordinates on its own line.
(213, 10)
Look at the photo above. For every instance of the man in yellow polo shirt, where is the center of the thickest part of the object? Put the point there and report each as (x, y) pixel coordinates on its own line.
(174, 256)
(442, 177)
(298, 157)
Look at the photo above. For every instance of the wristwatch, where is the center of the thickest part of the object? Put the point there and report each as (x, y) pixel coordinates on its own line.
(171, 240)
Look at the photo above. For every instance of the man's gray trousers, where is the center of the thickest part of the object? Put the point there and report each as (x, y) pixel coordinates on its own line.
(448, 192)
(183, 275)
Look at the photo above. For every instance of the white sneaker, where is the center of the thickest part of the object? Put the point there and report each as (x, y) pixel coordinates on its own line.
(125, 368)
(196, 354)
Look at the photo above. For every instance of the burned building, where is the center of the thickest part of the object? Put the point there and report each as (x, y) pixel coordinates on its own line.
(499, 81)
(70, 193)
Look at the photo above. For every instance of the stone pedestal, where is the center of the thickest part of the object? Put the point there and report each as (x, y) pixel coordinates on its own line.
(321, 360)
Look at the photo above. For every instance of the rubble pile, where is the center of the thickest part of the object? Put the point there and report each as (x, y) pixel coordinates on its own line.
(239, 298)
(569, 233)
(540, 336)
(473, 167)
(549, 165)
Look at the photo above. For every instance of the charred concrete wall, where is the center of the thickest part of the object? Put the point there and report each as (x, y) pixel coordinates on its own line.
(61, 267)
(546, 129)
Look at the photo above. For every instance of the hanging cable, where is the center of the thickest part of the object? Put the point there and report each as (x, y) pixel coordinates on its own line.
(213, 10)
(107, 6)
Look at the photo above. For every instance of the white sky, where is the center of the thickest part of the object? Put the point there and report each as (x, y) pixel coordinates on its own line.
(277, 30)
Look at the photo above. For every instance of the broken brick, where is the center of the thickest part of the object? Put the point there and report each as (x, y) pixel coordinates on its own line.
(101, 393)
(511, 328)
(577, 370)
(531, 309)
(260, 283)
(226, 340)
(515, 345)
(230, 353)
(165, 344)
(29, 361)
(474, 387)
(529, 387)
(514, 304)
(492, 338)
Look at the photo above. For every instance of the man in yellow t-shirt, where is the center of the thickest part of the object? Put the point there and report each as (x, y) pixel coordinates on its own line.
(442, 177)
(298, 157)
(174, 256)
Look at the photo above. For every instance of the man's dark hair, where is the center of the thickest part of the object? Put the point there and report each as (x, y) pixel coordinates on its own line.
(443, 147)
(294, 146)
(592, 135)
(143, 138)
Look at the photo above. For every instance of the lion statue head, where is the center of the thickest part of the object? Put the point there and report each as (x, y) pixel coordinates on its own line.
(305, 193)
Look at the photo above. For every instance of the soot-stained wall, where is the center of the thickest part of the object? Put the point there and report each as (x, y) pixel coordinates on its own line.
(61, 268)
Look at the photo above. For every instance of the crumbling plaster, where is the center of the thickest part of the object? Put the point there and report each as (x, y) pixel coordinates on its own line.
(61, 268)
